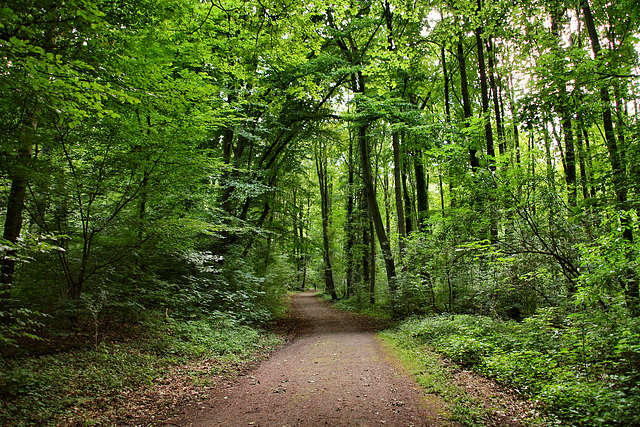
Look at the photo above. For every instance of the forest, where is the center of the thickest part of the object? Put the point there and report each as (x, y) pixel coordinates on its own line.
(469, 169)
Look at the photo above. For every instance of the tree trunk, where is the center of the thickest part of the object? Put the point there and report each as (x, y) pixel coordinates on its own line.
(372, 264)
(349, 249)
(367, 237)
(407, 202)
(584, 181)
(516, 132)
(374, 210)
(445, 75)
(422, 194)
(569, 157)
(15, 205)
(502, 145)
(397, 171)
(589, 159)
(387, 201)
(488, 131)
(466, 103)
(321, 169)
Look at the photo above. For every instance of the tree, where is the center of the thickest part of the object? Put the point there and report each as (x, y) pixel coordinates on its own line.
(321, 160)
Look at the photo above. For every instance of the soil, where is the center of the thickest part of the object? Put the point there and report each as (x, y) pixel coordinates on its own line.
(334, 373)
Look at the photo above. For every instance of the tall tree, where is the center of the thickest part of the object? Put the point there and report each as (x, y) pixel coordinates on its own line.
(321, 161)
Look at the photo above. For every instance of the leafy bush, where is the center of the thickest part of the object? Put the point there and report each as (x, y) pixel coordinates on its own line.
(583, 367)
(16, 323)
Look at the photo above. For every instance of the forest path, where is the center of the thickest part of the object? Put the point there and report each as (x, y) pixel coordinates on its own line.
(335, 373)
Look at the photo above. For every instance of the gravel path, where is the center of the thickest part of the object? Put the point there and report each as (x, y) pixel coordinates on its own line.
(334, 374)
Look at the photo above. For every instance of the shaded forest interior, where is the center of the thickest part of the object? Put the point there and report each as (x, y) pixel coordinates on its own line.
(469, 169)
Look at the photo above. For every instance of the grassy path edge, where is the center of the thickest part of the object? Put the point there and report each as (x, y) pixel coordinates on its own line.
(436, 379)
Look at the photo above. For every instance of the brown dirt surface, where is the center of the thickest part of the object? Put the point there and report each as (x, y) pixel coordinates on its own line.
(334, 373)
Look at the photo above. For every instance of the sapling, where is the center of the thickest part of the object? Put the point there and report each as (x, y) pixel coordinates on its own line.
(94, 306)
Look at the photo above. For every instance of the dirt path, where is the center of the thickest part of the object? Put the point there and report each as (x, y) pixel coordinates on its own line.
(335, 374)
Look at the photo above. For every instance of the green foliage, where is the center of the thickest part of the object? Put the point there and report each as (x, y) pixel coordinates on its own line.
(436, 378)
(608, 263)
(164, 146)
(583, 368)
(19, 323)
(74, 387)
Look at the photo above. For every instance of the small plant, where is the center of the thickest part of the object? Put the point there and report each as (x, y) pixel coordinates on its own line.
(17, 323)
(95, 305)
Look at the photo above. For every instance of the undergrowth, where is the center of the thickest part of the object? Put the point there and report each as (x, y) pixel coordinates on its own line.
(354, 304)
(583, 369)
(436, 379)
(84, 386)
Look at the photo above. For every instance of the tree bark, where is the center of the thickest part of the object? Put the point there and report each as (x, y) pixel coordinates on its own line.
(516, 132)
(484, 90)
(15, 205)
(445, 75)
(321, 169)
(374, 210)
(397, 171)
(422, 194)
(367, 244)
(502, 145)
(407, 202)
(372, 201)
(569, 158)
(372, 263)
(350, 225)
(466, 102)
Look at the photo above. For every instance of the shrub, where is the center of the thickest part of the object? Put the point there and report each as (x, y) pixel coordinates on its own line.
(583, 367)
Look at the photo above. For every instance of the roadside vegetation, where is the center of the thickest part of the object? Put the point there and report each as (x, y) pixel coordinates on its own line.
(579, 370)
(136, 371)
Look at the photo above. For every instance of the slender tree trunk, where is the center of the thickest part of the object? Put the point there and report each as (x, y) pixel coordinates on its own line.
(484, 90)
(516, 133)
(15, 205)
(367, 237)
(349, 249)
(466, 102)
(570, 160)
(441, 192)
(374, 210)
(502, 144)
(488, 131)
(589, 160)
(397, 171)
(445, 75)
(569, 157)
(407, 202)
(422, 194)
(584, 182)
(387, 201)
(372, 264)
(321, 169)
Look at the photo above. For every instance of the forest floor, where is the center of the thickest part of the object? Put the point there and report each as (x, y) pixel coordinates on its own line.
(335, 372)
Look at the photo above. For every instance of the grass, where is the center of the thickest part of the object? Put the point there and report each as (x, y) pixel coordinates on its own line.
(436, 378)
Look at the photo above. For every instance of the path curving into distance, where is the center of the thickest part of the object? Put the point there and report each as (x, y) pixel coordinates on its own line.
(335, 373)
